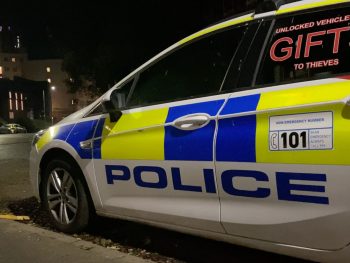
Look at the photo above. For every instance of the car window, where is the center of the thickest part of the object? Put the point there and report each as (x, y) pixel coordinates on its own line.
(98, 110)
(120, 96)
(193, 70)
(241, 73)
(305, 46)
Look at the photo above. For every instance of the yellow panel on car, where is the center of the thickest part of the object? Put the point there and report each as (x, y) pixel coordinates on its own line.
(304, 6)
(331, 143)
(47, 137)
(211, 29)
(136, 136)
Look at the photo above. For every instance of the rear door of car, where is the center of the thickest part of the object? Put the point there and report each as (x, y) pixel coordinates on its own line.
(156, 162)
(282, 146)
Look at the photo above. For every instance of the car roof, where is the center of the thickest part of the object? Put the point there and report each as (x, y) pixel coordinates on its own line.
(306, 4)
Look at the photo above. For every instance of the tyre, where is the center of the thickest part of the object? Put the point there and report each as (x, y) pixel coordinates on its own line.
(64, 197)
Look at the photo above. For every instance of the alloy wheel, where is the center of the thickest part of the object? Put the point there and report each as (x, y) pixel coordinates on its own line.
(62, 196)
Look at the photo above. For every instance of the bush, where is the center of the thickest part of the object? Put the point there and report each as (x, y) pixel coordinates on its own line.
(41, 124)
(31, 125)
(27, 123)
(2, 122)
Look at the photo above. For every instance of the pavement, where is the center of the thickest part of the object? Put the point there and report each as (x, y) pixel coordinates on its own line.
(25, 243)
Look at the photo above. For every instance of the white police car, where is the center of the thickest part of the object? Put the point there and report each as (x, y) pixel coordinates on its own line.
(239, 132)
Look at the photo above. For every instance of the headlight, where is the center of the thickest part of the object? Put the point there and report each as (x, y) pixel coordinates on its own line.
(37, 136)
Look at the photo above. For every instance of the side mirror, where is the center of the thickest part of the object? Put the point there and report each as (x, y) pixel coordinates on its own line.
(114, 114)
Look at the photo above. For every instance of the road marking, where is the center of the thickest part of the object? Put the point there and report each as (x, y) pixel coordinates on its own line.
(13, 217)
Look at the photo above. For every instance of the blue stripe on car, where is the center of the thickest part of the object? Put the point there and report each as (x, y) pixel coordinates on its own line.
(82, 131)
(194, 145)
(236, 135)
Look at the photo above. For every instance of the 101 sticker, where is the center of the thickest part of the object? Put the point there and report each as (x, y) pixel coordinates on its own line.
(309, 131)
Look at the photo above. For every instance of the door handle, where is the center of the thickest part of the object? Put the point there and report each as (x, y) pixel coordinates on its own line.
(191, 122)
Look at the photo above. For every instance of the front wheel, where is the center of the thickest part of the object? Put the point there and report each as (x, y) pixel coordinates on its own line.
(64, 196)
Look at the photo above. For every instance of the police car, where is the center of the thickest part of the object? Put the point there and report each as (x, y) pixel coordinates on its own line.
(239, 132)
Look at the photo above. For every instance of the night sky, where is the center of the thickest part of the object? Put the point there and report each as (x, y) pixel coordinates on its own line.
(130, 32)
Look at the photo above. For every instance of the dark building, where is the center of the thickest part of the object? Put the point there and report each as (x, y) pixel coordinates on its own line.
(24, 98)
(10, 38)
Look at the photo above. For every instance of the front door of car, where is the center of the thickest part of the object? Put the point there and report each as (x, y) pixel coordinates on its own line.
(282, 149)
(156, 162)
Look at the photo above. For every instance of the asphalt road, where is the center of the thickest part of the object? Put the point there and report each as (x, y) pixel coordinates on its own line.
(14, 167)
(132, 238)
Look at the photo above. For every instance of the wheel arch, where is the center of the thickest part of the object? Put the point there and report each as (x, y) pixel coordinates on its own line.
(58, 153)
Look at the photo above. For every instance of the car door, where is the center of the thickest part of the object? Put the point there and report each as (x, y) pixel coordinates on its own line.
(282, 149)
(156, 162)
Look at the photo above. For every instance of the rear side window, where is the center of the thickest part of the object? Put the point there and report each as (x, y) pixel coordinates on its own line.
(308, 46)
(193, 70)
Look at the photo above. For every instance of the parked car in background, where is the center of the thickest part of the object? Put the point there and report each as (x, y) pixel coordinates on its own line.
(12, 128)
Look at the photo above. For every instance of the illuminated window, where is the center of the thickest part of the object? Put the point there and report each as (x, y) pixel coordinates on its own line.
(16, 97)
(48, 69)
(18, 44)
(13, 59)
(0, 70)
(10, 100)
(49, 80)
(22, 105)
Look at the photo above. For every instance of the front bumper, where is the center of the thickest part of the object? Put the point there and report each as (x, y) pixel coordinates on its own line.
(34, 171)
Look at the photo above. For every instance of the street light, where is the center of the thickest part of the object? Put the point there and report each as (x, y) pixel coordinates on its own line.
(44, 104)
(53, 88)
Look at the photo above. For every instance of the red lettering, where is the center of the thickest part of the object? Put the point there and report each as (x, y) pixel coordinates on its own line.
(287, 50)
(310, 43)
(336, 32)
(298, 49)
